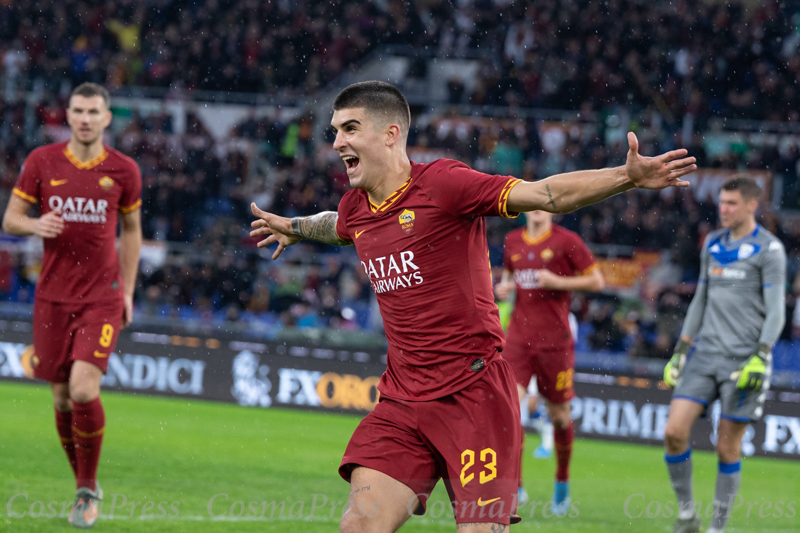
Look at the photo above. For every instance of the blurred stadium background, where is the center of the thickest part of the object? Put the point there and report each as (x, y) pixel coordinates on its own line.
(224, 102)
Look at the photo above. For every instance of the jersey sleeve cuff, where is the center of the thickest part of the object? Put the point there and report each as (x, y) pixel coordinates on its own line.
(336, 230)
(502, 203)
(591, 268)
(24, 196)
(131, 208)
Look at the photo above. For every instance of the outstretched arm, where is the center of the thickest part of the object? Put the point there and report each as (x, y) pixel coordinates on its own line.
(286, 232)
(563, 193)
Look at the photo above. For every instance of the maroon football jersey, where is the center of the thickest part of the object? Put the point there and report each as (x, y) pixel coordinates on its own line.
(425, 252)
(81, 264)
(541, 317)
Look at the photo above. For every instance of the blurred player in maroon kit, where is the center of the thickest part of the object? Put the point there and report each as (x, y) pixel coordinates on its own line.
(448, 405)
(84, 295)
(544, 262)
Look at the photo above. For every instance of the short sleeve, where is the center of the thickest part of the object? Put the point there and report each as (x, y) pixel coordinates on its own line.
(132, 193)
(462, 191)
(29, 181)
(580, 257)
(341, 222)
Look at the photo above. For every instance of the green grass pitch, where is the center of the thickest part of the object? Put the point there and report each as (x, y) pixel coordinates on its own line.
(165, 460)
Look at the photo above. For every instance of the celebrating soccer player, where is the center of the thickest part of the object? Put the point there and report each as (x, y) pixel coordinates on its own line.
(85, 291)
(448, 404)
(736, 315)
(544, 262)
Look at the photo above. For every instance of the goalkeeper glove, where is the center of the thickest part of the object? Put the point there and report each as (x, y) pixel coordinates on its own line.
(673, 369)
(750, 376)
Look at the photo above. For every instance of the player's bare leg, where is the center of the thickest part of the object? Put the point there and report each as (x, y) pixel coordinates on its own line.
(729, 475)
(682, 415)
(88, 425)
(377, 503)
(564, 437)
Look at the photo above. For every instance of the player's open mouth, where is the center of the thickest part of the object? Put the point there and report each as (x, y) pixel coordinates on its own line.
(351, 161)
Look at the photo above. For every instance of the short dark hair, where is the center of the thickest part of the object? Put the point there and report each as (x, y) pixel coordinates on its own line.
(377, 97)
(89, 89)
(746, 186)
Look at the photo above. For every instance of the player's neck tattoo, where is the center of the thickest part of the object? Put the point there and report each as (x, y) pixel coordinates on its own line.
(320, 227)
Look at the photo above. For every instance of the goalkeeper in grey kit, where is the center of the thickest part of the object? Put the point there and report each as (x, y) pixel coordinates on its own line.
(735, 317)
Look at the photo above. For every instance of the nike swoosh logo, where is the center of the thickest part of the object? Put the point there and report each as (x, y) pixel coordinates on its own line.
(358, 233)
(56, 183)
(481, 503)
(100, 354)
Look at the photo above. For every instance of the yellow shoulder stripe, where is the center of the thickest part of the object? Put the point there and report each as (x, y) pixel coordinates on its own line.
(502, 202)
(131, 208)
(24, 196)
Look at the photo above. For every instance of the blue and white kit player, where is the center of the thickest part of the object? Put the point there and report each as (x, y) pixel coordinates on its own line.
(736, 316)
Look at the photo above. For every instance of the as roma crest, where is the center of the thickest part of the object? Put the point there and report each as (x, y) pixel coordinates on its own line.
(106, 182)
(407, 221)
(547, 254)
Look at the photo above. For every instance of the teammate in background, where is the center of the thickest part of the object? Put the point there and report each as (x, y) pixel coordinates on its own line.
(736, 316)
(543, 263)
(448, 405)
(533, 413)
(85, 291)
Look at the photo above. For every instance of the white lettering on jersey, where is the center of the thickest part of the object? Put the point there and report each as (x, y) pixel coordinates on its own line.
(380, 271)
(80, 209)
(526, 279)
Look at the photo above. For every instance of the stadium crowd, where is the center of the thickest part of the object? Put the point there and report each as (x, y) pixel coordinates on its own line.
(708, 59)
(196, 189)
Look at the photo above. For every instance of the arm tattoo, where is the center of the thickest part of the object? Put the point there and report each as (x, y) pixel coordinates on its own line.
(359, 490)
(550, 195)
(320, 227)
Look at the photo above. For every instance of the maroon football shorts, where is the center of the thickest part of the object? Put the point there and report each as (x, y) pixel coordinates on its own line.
(470, 439)
(67, 332)
(553, 367)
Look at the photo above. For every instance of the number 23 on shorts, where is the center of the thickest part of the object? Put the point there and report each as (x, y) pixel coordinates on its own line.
(564, 379)
(489, 458)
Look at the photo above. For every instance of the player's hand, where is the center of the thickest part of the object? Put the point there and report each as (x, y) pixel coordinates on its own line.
(127, 313)
(503, 290)
(277, 229)
(750, 376)
(547, 280)
(675, 365)
(657, 172)
(49, 225)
